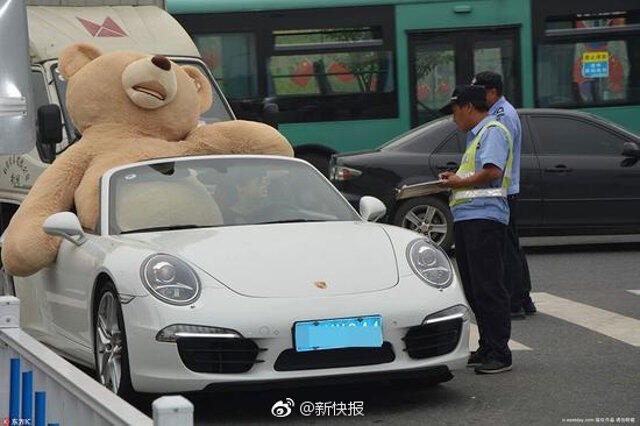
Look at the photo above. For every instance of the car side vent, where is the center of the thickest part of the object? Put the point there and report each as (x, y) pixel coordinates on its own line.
(429, 340)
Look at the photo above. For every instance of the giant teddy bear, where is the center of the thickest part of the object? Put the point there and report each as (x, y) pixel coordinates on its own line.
(128, 107)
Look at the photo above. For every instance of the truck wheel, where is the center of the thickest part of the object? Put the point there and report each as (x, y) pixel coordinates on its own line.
(429, 216)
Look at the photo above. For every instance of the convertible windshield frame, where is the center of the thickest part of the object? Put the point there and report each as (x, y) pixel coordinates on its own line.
(218, 97)
(107, 202)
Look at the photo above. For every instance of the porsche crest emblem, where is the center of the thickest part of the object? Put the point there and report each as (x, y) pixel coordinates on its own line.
(321, 285)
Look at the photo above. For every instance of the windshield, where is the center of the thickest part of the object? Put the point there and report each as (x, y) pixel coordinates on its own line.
(194, 193)
(217, 112)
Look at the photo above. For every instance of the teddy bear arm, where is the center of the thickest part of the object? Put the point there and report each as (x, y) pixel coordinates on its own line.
(26, 248)
(237, 137)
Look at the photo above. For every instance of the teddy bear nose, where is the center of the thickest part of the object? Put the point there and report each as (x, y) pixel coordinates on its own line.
(161, 62)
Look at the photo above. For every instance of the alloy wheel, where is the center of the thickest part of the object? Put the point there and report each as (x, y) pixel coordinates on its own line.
(108, 343)
(428, 221)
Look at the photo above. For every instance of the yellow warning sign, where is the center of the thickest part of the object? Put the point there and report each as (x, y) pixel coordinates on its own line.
(595, 64)
(602, 56)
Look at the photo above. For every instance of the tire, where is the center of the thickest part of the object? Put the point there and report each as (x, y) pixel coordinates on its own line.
(317, 160)
(112, 338)
(411, 213)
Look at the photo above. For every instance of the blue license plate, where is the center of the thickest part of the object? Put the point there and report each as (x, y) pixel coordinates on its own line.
(355, 332)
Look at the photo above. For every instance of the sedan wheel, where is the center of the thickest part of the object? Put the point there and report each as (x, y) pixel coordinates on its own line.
(428, 216)
(110, 346)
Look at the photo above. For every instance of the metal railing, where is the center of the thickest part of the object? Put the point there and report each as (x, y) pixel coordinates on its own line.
(64, 395)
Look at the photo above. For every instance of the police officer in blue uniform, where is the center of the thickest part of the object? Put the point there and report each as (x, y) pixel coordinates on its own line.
(517, 278)
(481, 213)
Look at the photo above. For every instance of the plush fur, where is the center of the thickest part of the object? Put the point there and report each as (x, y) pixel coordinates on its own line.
(128, 108)
(155, 204)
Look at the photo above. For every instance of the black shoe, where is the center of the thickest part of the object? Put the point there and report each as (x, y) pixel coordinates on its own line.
(518, 313)
(475, 359)
(528, 306)
(492, 366)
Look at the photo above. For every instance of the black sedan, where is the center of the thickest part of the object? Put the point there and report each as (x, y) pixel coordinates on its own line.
(580, 175)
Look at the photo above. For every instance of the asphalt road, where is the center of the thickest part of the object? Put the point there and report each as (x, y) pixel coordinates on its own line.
(568, 366)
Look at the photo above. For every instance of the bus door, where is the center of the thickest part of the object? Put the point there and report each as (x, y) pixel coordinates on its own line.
(440, 60)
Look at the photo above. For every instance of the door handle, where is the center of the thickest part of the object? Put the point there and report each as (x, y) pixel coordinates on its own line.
(559, 168)
(451, 165)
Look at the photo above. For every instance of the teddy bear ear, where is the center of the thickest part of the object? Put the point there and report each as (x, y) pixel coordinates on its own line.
(202, 86)
(76, 56)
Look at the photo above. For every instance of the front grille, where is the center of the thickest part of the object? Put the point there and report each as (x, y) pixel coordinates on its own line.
(431, 340)
(290, 360)
(218, 355)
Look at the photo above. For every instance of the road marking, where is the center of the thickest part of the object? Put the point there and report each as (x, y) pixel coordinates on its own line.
(578, 239)
(636, 292)
(610, 324)
(474, 336)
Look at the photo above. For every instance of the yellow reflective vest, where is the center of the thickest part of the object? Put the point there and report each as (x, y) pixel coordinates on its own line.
(468, 168)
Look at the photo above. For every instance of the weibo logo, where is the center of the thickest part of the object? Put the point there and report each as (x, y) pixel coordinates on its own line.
(108, 28)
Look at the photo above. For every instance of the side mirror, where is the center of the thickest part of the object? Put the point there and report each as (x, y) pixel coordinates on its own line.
(371, 209)
(48, 132)
(631, 149)
(65, 225)
(49, 125)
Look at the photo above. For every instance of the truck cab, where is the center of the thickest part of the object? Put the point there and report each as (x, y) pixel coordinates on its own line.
(145, 28)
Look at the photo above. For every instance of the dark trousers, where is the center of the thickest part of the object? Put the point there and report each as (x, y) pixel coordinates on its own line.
(479, 255)
(517, 278)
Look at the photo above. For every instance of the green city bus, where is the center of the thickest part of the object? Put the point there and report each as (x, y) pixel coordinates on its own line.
(347, 75)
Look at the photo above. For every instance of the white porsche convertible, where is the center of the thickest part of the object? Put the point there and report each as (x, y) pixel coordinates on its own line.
(207, 272)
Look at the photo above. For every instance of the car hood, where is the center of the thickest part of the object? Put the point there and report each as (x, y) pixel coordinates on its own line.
(287, 260)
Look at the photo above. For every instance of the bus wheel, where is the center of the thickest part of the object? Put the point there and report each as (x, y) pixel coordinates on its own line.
(429, 216)
(317, 160)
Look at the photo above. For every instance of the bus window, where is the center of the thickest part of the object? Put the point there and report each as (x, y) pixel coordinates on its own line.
(348, 67)
(441, 60)
(231, 57)
(435, 73)
(497, 54)
(588, 74)
(326, 74)
(315, 63)
(587, 59)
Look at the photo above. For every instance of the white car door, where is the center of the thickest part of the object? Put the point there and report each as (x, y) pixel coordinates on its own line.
(68, 292)
(60, 296)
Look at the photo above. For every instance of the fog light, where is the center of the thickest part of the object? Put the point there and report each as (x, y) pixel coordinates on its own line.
(172, 332)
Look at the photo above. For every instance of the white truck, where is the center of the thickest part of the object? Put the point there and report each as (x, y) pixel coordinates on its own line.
(40, 125)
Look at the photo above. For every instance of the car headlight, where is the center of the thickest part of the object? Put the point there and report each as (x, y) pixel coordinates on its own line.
(170, 279)
(430, 263)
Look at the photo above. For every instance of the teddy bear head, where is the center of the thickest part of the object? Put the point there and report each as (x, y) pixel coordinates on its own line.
(147, 93)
